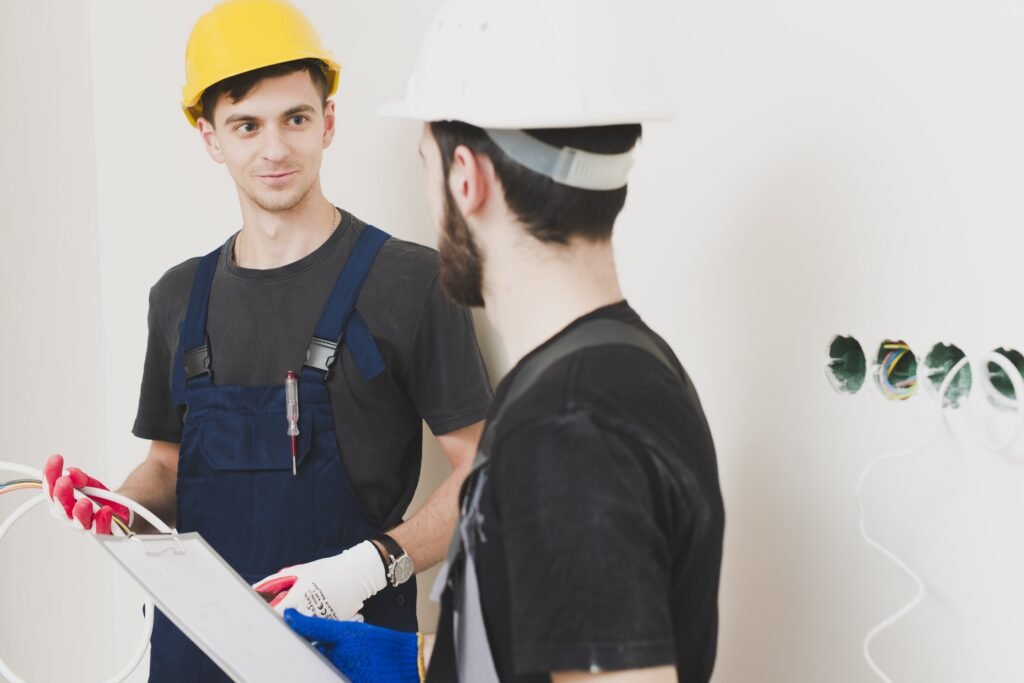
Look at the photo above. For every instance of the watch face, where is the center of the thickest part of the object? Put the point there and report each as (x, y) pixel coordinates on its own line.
(402, 569)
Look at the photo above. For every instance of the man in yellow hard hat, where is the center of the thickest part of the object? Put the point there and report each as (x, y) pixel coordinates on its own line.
(304, 297)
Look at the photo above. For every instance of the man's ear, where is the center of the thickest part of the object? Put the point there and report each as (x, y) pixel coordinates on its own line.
(330, 122)
(471, 180)
(210, 141)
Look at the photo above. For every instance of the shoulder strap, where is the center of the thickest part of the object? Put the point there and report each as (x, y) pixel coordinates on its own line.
(338, 313)
(193, 362)
(195, 358)
(475, 659)
(586, 335)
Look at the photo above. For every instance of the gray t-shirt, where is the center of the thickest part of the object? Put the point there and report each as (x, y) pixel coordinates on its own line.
(261, 321)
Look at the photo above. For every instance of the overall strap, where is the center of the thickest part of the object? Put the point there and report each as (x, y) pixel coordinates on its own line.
(340, 318)
(194, 347)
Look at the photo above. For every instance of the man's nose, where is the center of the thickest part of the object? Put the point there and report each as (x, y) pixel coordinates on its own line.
(274, 147)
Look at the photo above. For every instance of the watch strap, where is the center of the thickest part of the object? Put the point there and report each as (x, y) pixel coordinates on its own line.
(390, 545)
(392, 553)
(384, 559)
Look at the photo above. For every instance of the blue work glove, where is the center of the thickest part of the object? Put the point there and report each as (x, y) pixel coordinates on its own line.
(364, 653)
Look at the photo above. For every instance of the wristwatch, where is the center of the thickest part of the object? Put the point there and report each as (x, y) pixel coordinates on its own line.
(397, 565)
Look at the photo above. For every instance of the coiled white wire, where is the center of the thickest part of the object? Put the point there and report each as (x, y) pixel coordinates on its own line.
(1013, 374)
(1018, 388)
(42, 497)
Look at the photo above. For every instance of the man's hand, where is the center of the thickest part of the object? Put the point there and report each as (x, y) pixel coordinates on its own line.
(61, 487)
(334, 588)
(364, 653)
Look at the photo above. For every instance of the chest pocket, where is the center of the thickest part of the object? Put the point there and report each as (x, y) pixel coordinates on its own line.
(249, 443)
(236, 487)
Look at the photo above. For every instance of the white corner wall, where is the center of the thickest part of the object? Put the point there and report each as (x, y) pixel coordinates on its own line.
(54, 584)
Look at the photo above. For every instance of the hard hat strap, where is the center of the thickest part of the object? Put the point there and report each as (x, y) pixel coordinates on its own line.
(565, 165)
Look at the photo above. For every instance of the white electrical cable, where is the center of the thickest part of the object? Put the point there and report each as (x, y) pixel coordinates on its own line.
(919, 594)
(944, 387)
(1013, 374)
(41, 497)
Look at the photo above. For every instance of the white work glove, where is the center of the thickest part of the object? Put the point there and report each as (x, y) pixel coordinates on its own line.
(60, 486)
(333, 588)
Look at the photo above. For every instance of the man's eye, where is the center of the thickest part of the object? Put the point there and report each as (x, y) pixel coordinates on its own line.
(299, 119)
(247, 127)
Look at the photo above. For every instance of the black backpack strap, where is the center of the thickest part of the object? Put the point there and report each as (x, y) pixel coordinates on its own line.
(590, 334)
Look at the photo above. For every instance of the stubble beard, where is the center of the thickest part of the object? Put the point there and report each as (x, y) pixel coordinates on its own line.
(462, 264)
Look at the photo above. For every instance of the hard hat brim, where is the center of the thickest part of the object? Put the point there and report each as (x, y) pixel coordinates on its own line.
(493, 117)
(190, 104)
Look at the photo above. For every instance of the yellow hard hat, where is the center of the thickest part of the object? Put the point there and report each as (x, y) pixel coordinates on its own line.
(237, 36)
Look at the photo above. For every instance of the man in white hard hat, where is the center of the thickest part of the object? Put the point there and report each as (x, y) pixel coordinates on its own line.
(304, 290)
(590, 537)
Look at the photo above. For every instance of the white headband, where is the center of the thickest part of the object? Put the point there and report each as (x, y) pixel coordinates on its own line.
(565, 165)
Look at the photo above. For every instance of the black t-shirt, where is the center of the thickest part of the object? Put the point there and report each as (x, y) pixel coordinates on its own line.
(261, 321)
(601, 534)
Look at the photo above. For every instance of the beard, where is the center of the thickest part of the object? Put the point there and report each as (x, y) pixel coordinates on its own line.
(462, 264)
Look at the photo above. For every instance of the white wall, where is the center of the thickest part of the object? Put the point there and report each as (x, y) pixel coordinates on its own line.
(842, 168)
(835, 168)
(51, 391)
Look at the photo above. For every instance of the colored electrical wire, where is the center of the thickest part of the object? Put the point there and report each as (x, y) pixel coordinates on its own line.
(24, 484)
(20, 481)
(902, 389)
(19, 485)
(936, 432)
(121, 525)
(33, 480)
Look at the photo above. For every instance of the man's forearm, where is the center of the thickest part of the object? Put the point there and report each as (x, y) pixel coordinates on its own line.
(425, 535)
(153, 485)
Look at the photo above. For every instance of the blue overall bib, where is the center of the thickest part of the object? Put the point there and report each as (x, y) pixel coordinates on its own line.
(235, 482)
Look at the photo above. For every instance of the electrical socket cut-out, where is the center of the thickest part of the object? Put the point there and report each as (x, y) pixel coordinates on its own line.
(899, 374)
(847, 366)
(938, 364)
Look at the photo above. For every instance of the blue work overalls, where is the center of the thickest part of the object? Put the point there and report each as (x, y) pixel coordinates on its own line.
(235, 482)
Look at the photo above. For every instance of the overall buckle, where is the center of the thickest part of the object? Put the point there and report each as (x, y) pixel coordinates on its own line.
(197, 362)
(321, 354)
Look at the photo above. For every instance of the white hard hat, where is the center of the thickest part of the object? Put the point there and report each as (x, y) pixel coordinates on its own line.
(515, 64)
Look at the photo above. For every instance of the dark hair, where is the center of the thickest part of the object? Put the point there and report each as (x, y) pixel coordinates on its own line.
(552, 212)
(237, 87)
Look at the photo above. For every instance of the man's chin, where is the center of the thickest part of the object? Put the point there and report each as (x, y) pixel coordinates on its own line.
(276, 202)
